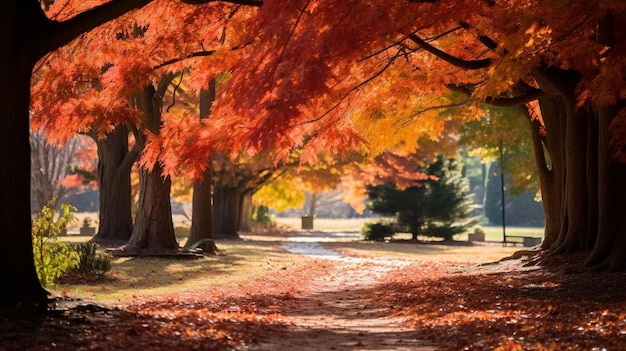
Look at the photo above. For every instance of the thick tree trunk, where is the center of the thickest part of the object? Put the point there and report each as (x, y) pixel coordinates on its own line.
(572, 237)
(19, 282)
(592, 213)
(114, 168)
(153, 232)
(227, 203)
(609, 252)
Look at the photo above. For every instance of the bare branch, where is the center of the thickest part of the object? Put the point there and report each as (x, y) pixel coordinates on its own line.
(455, 61)
(240, 2)
(178, 59)
(527, 95)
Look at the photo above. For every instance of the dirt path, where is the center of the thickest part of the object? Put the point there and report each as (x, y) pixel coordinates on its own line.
(335, 314)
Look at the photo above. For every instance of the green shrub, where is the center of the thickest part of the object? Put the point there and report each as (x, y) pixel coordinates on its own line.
(261, 216)
(52, 257)
(377, 231)
(91, 262)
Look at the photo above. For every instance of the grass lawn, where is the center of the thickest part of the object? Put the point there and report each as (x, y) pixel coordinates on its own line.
(257, 255)
(492, 233)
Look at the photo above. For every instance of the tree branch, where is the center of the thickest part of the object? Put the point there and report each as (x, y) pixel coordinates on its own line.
(178, 59)
(61, 33)
(529, 94)
(516, 100)
(455, 61)
(239, 2)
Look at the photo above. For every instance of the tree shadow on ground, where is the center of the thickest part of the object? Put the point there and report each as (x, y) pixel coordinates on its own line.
(83, 327)
(131, 275)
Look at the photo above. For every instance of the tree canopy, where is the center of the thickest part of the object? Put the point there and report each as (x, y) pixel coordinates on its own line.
(320, 74)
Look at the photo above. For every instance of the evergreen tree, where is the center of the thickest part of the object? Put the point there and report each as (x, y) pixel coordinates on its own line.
(450, 203)
(439, 207)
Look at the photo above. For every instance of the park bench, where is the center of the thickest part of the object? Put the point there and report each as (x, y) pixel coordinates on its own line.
(526, 241)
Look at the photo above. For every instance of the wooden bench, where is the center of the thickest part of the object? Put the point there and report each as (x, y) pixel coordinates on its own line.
(526, 241)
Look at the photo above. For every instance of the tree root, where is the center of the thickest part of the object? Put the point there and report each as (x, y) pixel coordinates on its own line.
(181, 253)
(523, 253)
(533, 256)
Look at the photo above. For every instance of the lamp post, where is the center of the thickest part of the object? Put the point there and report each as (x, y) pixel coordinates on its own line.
(502, 194)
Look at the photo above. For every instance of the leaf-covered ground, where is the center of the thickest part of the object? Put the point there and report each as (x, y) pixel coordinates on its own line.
(352, 302)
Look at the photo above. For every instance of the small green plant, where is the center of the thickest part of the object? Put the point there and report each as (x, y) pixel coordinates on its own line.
(377, 231)
(52, 257)
(261, 215)
(91, 262)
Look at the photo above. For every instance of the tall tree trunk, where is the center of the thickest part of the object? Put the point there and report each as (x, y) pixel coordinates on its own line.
(246, 212)
(592, 213)
(202, 201)
(202, 210)
(153, 232)
(114, 167)
(549, 192)
(572, 237)
(609, 252)
(17, 268)
(226, 211)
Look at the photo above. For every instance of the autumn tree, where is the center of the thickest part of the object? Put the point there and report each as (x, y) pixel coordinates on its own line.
(115, 162)
(235, 181)
(115, 76)
(564, 57)
(502, 135)
(29, 35)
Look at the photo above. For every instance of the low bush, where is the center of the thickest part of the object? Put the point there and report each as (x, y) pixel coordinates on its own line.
(91, 262)
(261, 216)
(377, 231)
(52, 257)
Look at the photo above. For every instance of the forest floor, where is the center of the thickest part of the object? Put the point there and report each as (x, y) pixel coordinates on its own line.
(319, 291)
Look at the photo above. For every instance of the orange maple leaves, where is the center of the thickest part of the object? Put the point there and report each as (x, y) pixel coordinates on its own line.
(320, 75)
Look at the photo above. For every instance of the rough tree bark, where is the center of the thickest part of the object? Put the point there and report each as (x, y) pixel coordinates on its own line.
(115, 163)
(586, 185)
(17, 270)
(153, 232)
(27, 35)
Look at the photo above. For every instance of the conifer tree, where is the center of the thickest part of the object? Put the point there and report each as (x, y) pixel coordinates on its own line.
(439, 206)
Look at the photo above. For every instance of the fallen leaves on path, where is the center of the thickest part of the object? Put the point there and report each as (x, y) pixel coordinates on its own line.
(455, 306)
